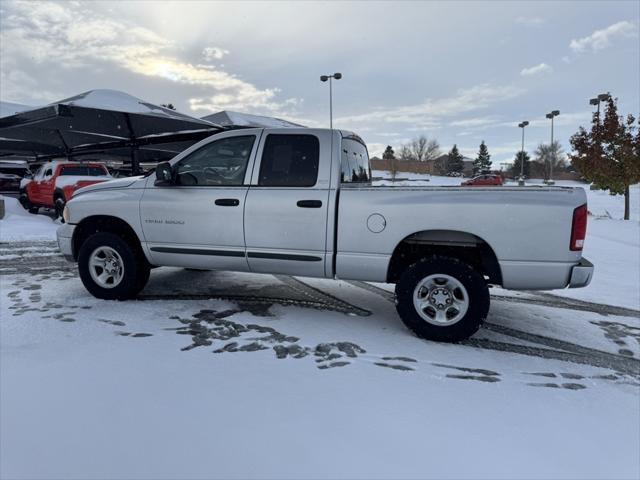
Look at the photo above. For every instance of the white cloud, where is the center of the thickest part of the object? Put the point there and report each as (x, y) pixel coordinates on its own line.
(540, 69)
(18, 85)
(214, 53)
(474, 122)
(428, 114)
(601, 39)
(69, 35)
(531, 21)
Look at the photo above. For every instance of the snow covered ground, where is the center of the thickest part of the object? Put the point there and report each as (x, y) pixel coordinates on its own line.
(19, 225)
(220, 375)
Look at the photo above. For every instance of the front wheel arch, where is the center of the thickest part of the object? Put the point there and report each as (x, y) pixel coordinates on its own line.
(107, 224)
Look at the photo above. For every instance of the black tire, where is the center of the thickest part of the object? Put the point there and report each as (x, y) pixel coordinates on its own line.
(136, 268)
(58, 205)
(474, 284)
(24, 200)
(33, 210)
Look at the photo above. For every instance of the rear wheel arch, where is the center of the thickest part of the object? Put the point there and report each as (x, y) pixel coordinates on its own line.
(465, 246)
(107, 224)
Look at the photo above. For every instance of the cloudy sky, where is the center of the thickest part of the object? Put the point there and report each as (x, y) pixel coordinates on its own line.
(457, 71)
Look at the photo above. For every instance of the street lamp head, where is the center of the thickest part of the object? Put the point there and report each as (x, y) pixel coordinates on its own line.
(594, 101)
(324, 78)
(603, 97)
(555, 113)
(337, 76)
(524, 124)
(548, 115)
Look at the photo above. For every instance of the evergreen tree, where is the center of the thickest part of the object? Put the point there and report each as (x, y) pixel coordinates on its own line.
(609, 155)
(517, 167)
(388, 154)
(482, 164)
(456, 161)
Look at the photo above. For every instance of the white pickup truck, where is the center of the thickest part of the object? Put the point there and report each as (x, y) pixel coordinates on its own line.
(300, 202)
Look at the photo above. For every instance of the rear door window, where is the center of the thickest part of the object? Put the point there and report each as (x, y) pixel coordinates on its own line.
(290, 161)
(354, 164)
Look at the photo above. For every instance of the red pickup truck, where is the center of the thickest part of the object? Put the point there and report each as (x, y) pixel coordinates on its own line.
(54, 183)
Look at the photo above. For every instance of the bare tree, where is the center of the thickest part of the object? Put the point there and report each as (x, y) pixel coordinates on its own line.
(551, 156)
(418, 148)
(423, 149)
(433, 150)
(405, 153)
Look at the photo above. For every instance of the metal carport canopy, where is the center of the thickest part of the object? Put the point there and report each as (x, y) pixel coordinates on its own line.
(101, 121)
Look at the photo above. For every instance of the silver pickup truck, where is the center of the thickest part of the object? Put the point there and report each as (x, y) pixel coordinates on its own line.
(300, 202)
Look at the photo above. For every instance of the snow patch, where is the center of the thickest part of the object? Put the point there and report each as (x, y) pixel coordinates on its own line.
(18, 225)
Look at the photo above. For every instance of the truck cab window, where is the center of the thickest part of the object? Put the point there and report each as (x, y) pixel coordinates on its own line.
(76, 170)
(290, 161)
(354, 165)
(219, 163)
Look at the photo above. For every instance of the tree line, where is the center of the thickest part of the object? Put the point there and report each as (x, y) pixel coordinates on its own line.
(423, 149)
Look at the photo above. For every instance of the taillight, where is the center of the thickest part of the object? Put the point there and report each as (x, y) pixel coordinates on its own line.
(578, 228)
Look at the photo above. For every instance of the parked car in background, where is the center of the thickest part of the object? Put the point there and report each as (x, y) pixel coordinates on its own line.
(11, 173)
(54, 183)
(484, 180)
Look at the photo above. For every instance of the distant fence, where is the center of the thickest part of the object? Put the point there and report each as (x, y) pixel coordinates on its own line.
(414, 166)
(411, 166)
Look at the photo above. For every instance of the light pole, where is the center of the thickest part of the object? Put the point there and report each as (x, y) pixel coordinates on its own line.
(521, 179)
(554, 113)
(324, 78)
(603, 97)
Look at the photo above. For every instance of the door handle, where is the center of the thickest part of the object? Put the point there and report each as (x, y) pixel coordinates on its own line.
(227, 202)
(309, 203)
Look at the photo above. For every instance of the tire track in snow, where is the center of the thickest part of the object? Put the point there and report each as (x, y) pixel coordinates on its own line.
(555, 348)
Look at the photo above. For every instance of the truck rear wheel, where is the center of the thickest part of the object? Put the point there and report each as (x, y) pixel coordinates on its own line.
(442, 298)
(110, 268)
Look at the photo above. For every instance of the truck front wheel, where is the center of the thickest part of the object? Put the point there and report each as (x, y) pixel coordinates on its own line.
(442, 298)
(110, 269)
(59, 204)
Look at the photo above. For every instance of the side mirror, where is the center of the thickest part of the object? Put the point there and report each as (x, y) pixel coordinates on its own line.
(164, 174)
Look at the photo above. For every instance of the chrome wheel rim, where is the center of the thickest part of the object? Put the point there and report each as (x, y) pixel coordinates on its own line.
(441, 299)
(106, 267)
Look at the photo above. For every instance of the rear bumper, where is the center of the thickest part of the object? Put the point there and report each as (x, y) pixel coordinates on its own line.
(65, 244)
(581, 274)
